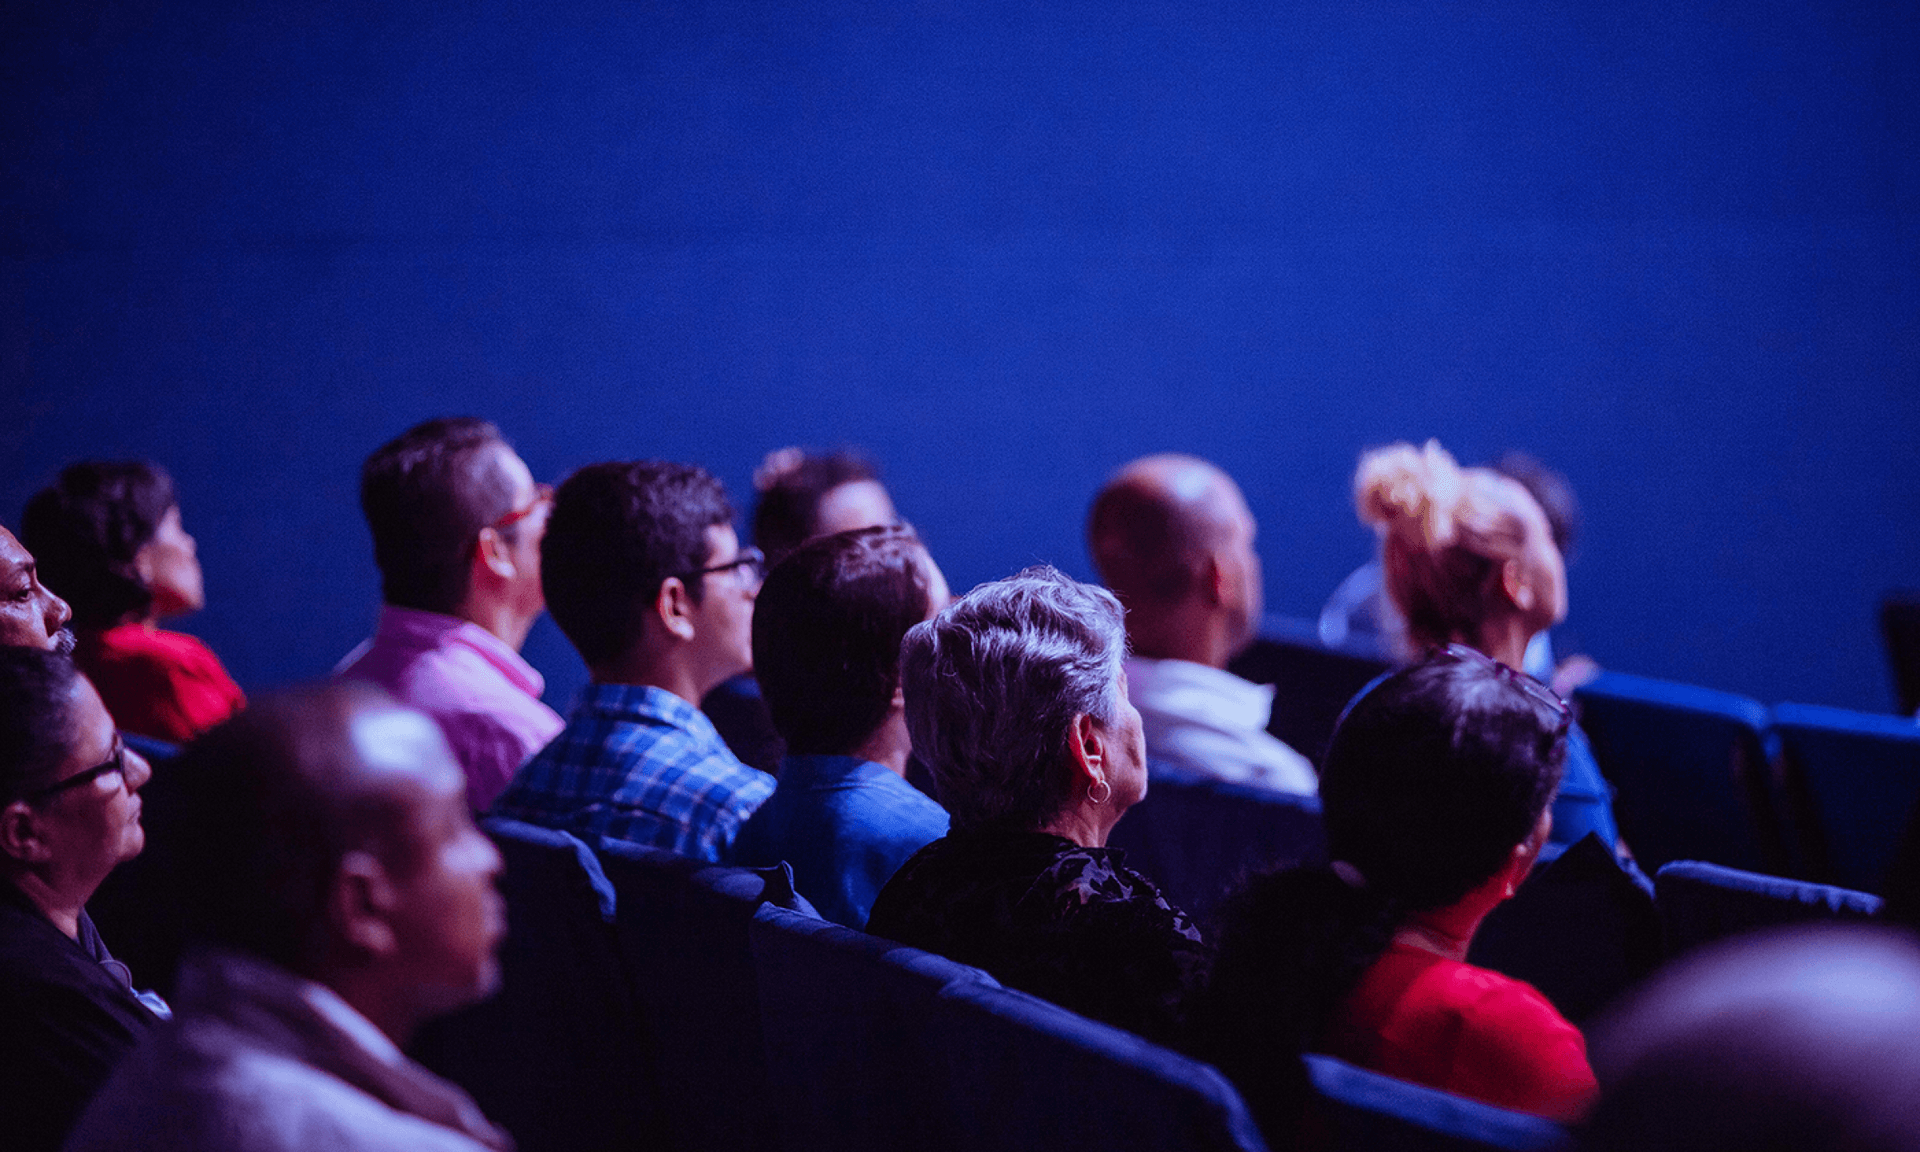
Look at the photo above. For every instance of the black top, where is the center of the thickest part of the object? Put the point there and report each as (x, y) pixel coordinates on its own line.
(67, 1016)
(1046, 916)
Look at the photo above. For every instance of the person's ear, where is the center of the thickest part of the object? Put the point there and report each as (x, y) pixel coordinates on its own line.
(492, 552)
(358, 904)
(673, 606)
(19, 838)
(1521, 860)
(1087, 747)
(143, 564)
(1514, 582)
(899, 701)
(1214, 583)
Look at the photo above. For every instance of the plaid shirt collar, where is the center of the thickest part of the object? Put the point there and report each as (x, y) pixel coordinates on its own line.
(645, 704)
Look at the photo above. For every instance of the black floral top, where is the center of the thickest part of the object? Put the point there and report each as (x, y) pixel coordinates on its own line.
(1046, 916)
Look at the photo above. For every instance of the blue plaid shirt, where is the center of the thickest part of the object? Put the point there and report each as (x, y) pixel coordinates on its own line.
(638, 764)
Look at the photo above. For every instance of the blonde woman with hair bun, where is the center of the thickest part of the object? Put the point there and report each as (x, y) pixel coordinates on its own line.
(1469, 558)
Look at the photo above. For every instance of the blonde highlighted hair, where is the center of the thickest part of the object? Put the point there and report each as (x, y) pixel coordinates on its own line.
(1445, 534)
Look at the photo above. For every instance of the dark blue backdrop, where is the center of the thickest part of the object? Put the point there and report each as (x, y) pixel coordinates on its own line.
(1669, 247)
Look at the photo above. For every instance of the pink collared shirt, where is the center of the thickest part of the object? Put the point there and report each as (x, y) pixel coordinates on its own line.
(485, 697)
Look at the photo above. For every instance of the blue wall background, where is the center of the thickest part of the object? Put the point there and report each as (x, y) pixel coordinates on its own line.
(1669, 247)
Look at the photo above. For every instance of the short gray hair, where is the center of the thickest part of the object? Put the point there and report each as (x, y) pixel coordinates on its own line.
(993, 683)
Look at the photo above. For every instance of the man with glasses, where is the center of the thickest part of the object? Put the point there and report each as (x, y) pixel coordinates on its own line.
(69, 814)
(645, 575)
(457, 520)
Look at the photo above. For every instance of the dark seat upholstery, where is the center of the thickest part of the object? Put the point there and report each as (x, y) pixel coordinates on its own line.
(1312, 682)
(1855, 776)
(558, 1056)
(1363, 1111)
(1700, 903)
(1900, 629)
(1196, 837)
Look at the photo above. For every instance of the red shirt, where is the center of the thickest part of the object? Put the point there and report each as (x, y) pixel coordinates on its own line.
(1467, 1030)
(166, 685)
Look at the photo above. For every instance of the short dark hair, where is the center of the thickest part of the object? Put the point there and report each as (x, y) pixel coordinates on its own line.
(426, 494)
(827, 627)
(85, 530)
(264, 808)
(36, 718)
(617, 532)
(791, 490)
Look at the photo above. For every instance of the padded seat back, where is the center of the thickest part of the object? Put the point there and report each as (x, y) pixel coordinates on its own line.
(1900, 628)
(1700, 903)
(1196, 837)
(558, 1056)
(1690, 771)
(682, 928)
(1312, 682)
(1855, 777)
(1362, 1111)
(847, 1019)
(1016, 1072)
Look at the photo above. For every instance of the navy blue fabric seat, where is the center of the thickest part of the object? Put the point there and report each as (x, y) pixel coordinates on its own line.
(848, 1021)
(1312, 682)
(1016, 1072)
(1582, 929)
(558, 1056)
(1690, 770)
(1700, 903)
(1855, 776)
(1364, 1111)
(682, 926)
(1196, 837)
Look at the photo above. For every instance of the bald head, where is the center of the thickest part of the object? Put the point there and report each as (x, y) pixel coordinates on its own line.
(274, 800)
(1172, 536)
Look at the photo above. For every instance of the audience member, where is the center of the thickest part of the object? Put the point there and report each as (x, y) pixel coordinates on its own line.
(108, 535)
(68, 1010)
(1469, 558)
(826, 647)
(645, 576)
(1799, 1040)
(457, 520)
(31, 616)
(342, 897)
(800, 497)
(1016, 698)
(1436, 796)
(1173, 538)
(1360, 608)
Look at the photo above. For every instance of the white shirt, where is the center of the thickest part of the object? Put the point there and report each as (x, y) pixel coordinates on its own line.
(1210, 721)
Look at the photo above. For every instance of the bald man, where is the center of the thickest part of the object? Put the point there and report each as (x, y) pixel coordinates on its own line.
(1172, 536)
(341, 896)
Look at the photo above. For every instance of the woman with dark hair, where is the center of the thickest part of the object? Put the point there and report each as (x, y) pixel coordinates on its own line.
(1016, 697)
(108, 538)
(69, 813)
(1436, 796)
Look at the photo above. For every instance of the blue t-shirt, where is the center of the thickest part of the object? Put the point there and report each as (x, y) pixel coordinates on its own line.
(1585, 802)
(846, 825)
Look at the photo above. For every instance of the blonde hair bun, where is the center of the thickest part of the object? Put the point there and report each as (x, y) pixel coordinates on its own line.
(1412, 493)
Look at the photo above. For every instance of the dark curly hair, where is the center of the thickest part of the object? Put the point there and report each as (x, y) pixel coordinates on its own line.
(426, 495)
(85, 530)
(1433, 776)
(617, 532)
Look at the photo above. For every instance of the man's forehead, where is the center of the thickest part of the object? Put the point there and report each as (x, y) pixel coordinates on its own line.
(13, 555)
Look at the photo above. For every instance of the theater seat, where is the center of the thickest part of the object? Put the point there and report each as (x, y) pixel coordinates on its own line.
(558, 1056)
(1690, 770)
(848, 1023)
(682, 928)
(1855, 776)
(1312, 682)
(1196, 837)
(1701, 903)
(1364, 1111)
(1014, 1072)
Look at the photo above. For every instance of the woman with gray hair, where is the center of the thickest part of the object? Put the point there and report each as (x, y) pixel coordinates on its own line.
(1016, 699)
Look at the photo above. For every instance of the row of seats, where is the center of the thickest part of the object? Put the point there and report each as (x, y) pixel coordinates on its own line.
(651, 1000)
(1796, 790)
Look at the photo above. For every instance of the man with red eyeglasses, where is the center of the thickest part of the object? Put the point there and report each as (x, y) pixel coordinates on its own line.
(457, 520)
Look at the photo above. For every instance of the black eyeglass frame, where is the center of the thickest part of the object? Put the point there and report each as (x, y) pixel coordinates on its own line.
(114, 763)
(748, 557)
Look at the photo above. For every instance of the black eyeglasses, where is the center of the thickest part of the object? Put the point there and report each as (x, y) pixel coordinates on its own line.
(751, 562)
(1521, 680)
(116, 763)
